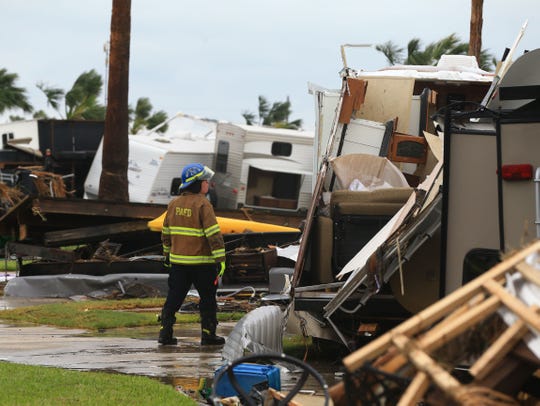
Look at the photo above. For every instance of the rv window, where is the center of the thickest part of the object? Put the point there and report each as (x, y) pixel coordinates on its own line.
(281, 148)
(6, 137)
(222, 156)
(175, 184)
(477, 261)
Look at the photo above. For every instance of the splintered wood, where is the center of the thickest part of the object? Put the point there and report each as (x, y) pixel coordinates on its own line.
(463, 329)
(10, 199)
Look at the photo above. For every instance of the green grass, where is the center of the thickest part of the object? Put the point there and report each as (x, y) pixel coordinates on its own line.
(34, 385)
(101, 315)
(9, 265)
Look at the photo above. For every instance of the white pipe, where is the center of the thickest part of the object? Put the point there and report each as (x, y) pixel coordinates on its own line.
(342, 47)
(157, 127)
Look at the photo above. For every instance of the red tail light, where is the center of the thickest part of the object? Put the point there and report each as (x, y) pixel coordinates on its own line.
(517, 172)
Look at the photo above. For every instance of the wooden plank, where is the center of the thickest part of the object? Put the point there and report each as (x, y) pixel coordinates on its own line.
(149, 211)
(86, 234)
(13, 209)
(27, 250)
(415, 391)
(99, 208)
(498, 350)
(426, 364)
(460, 324)
(387, 98)
(436, 311)
(514, 304)
(392, 363)
(528, 272)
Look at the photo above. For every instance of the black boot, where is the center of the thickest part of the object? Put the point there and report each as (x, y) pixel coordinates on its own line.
(208, 333)
(166, 331)
(211, 339)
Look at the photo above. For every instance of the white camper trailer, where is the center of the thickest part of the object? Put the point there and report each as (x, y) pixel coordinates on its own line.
(20, 134)
(156, 160)
(263, 167)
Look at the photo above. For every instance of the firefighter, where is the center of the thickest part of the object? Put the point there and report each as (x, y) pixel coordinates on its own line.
(194, 252)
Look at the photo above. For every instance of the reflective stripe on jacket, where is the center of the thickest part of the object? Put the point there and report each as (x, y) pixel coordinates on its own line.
(191, 234)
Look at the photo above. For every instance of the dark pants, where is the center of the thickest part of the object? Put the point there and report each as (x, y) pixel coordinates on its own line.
(181, 277)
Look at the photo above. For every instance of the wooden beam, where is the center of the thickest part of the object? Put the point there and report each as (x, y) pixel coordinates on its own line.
(426, 364)
(88, 234)
(27, 250)
(415, 391)
(498, 350)
(99, 208)
(529, 273)
(514, 304)
(436, 311)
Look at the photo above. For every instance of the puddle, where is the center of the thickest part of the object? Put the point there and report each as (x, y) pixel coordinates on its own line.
(197, 387)
(134, 351)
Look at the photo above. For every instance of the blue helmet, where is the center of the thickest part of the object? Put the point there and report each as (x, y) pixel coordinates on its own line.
(194, 172)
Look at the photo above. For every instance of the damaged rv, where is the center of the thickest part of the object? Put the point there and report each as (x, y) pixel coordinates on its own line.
(65, 147)
(156, 159)
(401, 219)
(263, 167)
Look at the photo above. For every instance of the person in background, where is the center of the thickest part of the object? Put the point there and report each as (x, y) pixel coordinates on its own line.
(48, 162)
(194, 253)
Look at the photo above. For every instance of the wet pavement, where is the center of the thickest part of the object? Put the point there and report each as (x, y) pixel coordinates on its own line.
(70, 348)
(74, 349)
(182, 365)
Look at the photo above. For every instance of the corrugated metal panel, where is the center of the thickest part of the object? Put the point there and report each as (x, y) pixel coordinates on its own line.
(259, 331)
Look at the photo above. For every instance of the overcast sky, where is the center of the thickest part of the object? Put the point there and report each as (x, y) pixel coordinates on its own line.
(213, 58)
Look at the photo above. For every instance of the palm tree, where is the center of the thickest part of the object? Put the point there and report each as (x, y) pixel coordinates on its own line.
(144, 118)
(392, 52)
(113, 184)
(11, 96)
(431, 54)
(249, 117)
(81, 101)
(54, 95)
(275, 116)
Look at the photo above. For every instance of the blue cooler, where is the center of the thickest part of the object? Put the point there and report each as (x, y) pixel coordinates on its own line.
(247, 375)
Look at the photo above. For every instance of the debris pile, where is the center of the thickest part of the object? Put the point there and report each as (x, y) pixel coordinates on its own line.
(478, 345)
(48, 184)
(9, 198)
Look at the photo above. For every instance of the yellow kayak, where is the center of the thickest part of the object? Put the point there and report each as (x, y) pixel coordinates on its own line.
(231, 226)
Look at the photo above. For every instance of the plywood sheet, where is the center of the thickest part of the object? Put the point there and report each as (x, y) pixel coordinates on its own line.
(387, 98)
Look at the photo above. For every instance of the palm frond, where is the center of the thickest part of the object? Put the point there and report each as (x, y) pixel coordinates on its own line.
(392, 52)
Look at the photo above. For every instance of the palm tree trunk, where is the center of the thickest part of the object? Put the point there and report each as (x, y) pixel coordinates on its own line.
(113, 183)
(475, 38)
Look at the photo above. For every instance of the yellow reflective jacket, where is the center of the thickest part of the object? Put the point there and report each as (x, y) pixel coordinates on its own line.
(191, 234)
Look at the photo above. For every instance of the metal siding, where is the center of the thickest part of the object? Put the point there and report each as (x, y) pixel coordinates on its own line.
(520, 144)
(225, 183)
(472, 201)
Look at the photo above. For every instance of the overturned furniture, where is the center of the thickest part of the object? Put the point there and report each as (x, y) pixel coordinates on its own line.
(488, 329)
